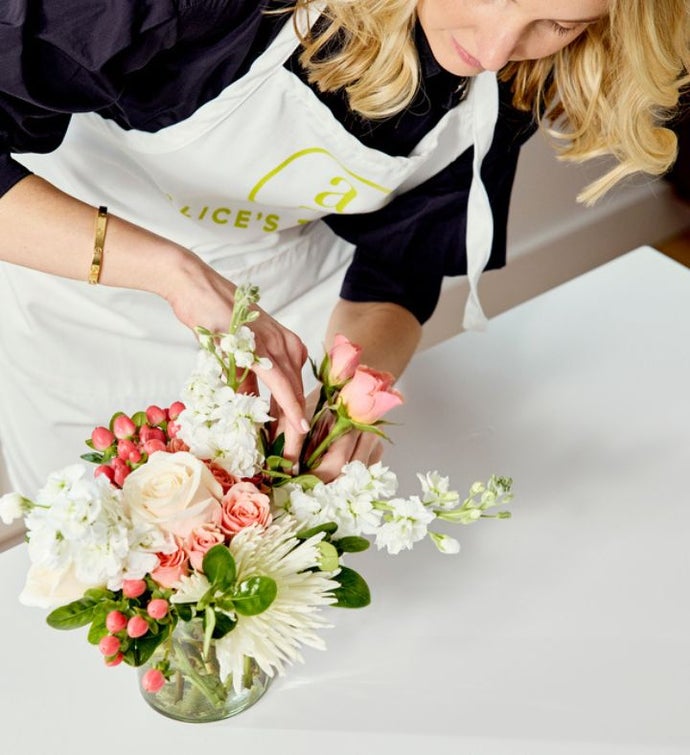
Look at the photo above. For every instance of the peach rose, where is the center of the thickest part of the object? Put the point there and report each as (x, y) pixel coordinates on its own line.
(171, 567)
(200, 540)
(243, 505)
(176, 492)
(369, 395)
(343, 360)
(224, 477)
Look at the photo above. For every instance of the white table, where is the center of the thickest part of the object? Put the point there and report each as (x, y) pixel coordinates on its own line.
(563, 630)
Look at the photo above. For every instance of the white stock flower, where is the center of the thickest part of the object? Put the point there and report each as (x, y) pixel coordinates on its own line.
(349, 500)
(406, 524)
(444, 543)
(12, 507)
(435, 491)
(79, 537)
(273, 637)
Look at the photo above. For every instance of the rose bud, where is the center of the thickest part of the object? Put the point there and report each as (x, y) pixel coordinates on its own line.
(123, 427)
(343, 360)
(175, 409)
(155, 415)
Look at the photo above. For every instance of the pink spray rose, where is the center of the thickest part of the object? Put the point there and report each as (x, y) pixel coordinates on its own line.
(224, 477)
(171, 567)
(243, 505)
(369, 395)
(343, 360)
(200, 540)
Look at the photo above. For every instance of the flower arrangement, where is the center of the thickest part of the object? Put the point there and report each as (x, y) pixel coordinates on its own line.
(194, 517)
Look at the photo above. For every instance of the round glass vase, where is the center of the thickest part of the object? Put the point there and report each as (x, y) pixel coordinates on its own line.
(194, 691)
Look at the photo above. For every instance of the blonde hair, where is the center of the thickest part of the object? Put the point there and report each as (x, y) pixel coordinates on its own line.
(607, 93)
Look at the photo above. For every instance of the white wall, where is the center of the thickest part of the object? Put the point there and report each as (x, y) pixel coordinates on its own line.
(550, 240)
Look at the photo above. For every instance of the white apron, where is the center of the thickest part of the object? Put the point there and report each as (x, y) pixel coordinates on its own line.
(242, 182)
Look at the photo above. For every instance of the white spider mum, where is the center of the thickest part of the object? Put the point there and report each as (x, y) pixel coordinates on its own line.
(273, 637)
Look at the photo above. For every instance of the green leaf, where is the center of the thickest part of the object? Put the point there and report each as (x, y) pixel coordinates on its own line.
(98, 594)
(98, 629)
(76, 614)
(254, 595)
(328, 527)
(95, 457)
(351, 544)
(142, 648)
(184, 611)
(219, 567)
(278, 446)
(328, 556)
(112, 420)
(139, 419)
(353, 591)
(224, 624)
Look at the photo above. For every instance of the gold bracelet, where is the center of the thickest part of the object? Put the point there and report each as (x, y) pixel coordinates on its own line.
(98, 243)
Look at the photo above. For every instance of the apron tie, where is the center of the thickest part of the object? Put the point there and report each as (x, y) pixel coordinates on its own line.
(480, 226)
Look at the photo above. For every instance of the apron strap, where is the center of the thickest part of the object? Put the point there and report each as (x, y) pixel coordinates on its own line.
(480, 225)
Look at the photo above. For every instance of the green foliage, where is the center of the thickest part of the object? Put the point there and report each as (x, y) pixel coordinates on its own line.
(254, 595)
(353, 591)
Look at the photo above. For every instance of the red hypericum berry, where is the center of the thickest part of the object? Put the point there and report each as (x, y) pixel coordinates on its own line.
(116, 660)
(115, 621)
(151, 446)
(157, 608)
(109, 645)
(133, 588)
(146, 433)
(153, 680)
(105, 470)
(137, 626)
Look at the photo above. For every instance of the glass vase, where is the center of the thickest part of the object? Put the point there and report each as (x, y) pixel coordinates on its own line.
(194, 691)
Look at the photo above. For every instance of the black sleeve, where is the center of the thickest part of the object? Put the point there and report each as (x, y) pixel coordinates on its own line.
(404, 250)
(59, 57)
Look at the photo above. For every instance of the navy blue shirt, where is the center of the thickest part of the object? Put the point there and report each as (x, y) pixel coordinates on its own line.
(147, 64)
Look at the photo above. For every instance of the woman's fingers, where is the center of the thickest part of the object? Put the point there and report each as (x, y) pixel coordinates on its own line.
(354, 446)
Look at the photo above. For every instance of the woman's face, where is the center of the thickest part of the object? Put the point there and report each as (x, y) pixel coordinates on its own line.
(471, 36)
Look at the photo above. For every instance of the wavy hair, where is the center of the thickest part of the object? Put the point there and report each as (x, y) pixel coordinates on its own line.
(609, 92)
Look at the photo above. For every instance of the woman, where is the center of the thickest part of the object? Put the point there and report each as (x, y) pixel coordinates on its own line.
(369, 141)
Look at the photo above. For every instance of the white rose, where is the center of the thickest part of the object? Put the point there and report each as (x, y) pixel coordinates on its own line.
(175, 492)
(50, 588)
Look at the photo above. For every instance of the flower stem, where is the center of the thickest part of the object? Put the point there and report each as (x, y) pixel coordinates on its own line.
(342, 426)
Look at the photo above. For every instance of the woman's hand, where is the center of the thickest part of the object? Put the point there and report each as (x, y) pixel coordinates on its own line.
(204, 297)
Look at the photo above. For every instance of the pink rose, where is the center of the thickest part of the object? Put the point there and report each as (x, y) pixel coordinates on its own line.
(200, 540)
(343, 360)
(369, 395)
(224, 477)
(243, 505)
(176, 492)
(171, 567)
